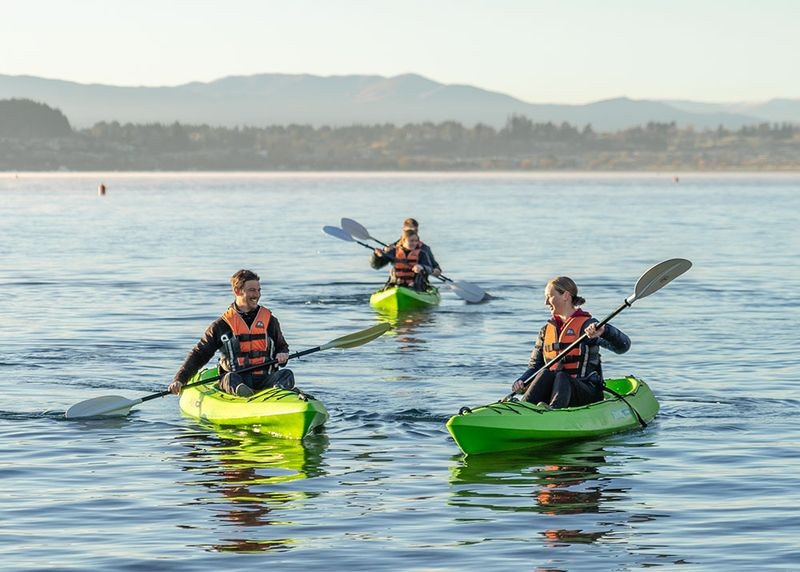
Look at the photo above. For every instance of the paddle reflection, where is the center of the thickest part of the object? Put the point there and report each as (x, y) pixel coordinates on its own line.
(570, 482)
(405, 325)
(246, 474)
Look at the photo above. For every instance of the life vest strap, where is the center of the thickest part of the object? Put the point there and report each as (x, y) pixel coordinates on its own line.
(255, 354)
(251, 337)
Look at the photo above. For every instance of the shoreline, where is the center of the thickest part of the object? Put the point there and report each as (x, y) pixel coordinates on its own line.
(532, 175)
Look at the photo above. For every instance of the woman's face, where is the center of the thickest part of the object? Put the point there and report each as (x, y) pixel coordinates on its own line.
(558, 302)
(411, 242)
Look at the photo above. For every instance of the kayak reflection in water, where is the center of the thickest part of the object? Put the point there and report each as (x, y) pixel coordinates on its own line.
(382, 257)
(578, 378)
(247, 334)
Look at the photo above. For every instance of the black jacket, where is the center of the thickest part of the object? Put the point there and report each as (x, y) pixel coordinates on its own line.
(211, 342)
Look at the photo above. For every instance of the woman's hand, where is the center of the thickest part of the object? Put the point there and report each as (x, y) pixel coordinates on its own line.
(592, 331)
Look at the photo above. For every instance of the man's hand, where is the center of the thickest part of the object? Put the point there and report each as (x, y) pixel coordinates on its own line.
(437, 271)
(417, 268)
(175, 387)
(282, 358)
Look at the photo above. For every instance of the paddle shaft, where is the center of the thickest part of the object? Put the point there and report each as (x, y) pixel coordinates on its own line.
(217, 377)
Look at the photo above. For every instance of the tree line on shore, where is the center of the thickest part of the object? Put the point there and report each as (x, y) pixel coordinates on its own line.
(34, 136)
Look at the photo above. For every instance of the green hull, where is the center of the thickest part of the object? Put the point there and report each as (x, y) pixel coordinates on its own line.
(400, 298)
(519, 425)
(275, 411)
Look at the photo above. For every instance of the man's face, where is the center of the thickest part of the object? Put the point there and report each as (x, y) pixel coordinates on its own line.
(247, 298)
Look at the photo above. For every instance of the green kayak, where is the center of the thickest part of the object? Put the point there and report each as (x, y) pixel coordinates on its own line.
(275, 411)
(504, 426)
(399, 298)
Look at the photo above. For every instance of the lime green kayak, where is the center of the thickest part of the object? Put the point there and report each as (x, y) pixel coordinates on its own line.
(399, 298)
(520, 425)
(275, 411)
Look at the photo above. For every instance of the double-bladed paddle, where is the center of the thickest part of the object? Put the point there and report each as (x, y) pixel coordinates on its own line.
(352, 230)
(114, 405)
(651, 281)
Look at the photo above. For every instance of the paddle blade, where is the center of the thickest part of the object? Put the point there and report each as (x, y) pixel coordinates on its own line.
(659, 276)
(468, 291)
(337, 232)
(105, 406)
(355, 229)
(358, 338)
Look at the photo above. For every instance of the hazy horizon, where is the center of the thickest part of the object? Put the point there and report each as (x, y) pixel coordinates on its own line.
(573, 53)
(343, 75)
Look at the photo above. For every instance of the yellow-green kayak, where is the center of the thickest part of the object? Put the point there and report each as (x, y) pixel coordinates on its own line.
(399, 298)
(276, 411)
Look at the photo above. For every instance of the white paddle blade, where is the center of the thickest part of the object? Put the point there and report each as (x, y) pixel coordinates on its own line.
(355, 229)
(105, 406)
(468, 291)
(337, 232)
(659, 276)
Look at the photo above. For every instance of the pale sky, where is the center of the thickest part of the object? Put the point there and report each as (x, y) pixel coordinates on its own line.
(563, 51)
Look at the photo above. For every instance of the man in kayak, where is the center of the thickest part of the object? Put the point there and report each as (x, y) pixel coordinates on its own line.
(246, 334)
(578, 378)
(408, 224)
(410, 264)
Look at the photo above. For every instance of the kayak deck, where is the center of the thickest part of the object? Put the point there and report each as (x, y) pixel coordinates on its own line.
(399, 298)
(274, 410)
(504, 426)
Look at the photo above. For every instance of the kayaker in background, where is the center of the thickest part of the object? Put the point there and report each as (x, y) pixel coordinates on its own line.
(578, 378)
(246, 334)
(408, 224)
(410, 264)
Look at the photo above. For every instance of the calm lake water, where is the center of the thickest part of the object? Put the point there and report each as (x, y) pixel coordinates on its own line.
(106, 295)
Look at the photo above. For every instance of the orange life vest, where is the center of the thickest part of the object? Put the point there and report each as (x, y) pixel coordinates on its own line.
(403, 264)
(574, 363)
(254, 346)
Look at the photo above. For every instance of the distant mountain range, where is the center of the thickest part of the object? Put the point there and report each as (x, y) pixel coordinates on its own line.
(280, 99)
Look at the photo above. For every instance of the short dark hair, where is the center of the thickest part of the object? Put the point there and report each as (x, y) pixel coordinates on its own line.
(408, 233)
(241, 276)
(410, 222)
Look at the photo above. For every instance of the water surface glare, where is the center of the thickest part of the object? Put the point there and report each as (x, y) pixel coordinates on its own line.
(106, 295)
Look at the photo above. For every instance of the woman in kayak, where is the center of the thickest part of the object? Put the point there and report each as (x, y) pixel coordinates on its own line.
(411, 265)
(578, 378)
(409, 224)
